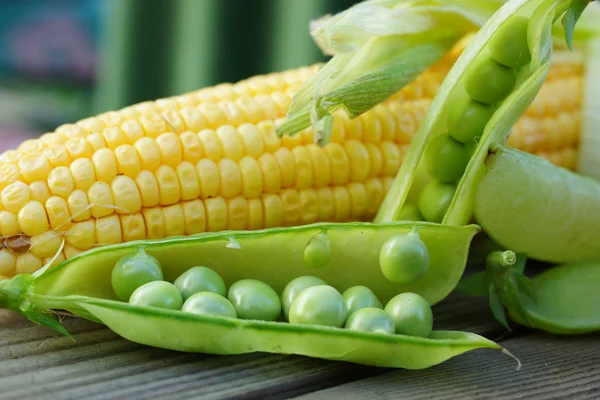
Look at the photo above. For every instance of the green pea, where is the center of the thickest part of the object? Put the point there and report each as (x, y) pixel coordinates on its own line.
(409, 212)
(317, 251)
(294, 288)
(209, 303)
(199, 279)
(253, 299)
(434, 200)
(489, 82)
(319, 305)
(370, 319)
(509, 45)
(404, 258)
(134, 270)
(411, 313)
(357, 297)
(157, 294)
(467, 120)
(446, 159)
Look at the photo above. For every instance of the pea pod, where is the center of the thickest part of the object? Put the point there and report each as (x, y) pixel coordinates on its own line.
(82, 285)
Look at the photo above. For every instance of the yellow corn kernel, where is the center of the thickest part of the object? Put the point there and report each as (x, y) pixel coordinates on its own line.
(387, 121)
(273, 210)
(271, 174)
(111, 118)
(30, 146)
(268, 106)
(285, 160)
(209, 178)
(338, 135)
(255, 214)
(193, 151)
(292, 207)
(231, 142)
(173, 120)
(153, 124)
(79, 207)
(237, 208)
(33, 219)
(250, 108)
(170, 149)
(70, 251)
(374, 190)
(232, 112)
(194, 217)
(291, 142)
(39, 191)
(252, 183)
(358, 158)
(27, 263)
(282, 100)
(72, 130)
(188, 181)
(310, 206)
(341, 203)
(167, 104)
(338, 159)
(270, 139)
(92, 124)
(168, 185)
(211, 144)
(101, 200)
(57, 155)
(60, 182)
(46, 244)
(352, 128)
(34, 167)
(82, 235)
(47, 139)
(126, 195)
(326, 204)
(78, 148)
(148, 188)
(11, 156)
(216, 214)
(133, 227)
(96, 141)
(8, 262)
(149, 153)
(375, 160)
(54, 261)
(15, 196)
(174, 222)
(213, 114)
(108, 230)
(9, 173)
(155, 222)
(83, 173)
(105, 164)
(193, 118)
(58, 213)
(321, 169)
(371, 125)
(9, 225)
(230, 178)
(387, 183)
(391, 158)
(132, 130)
(358, 199)
(303, 168)
(128, 161)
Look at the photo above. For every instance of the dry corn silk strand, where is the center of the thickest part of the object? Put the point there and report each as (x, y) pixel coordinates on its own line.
(210, 160)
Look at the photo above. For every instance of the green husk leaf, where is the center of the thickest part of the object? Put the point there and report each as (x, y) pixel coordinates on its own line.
(497, 307)
(571, 17)
(474, 285)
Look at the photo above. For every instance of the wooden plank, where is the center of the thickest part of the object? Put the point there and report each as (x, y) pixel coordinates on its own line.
(37, 362)
(553, 367)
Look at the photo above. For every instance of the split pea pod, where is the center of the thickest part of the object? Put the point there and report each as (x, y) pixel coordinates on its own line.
(82, 285)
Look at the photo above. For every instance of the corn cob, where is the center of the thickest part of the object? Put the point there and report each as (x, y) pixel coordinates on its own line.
(209, 160)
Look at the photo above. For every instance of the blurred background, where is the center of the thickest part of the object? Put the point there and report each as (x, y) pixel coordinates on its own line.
(63, 60)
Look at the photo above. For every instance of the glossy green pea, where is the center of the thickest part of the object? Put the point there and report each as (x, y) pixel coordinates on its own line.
(209, 303)
(357, 297)
(319, 305)
(404, 258)
(409, 212)
(509, 44)
(489, 82)
(294, 288)
(467, 120)
(199, 279)
(159, 294)
(253, 299)
(435, 199)
(446, 159)
(133, 271)
(317, 252)
(411, 313)
(370, 319)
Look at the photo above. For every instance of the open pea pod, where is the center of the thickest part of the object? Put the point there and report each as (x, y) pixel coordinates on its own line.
(493, 82)
(82, 285)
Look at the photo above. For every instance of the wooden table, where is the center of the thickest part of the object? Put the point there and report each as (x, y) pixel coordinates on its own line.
(36, 363)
